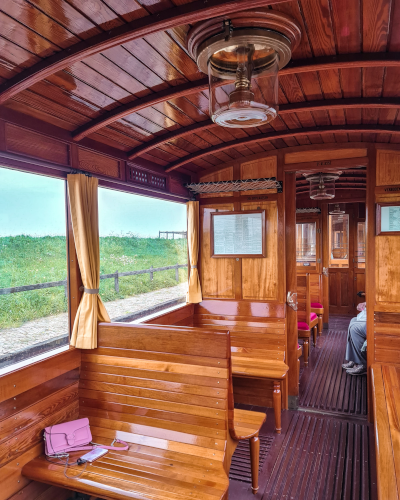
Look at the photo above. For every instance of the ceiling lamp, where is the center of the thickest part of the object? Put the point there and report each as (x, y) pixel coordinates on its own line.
(242, 54)
(322, 185)
(337, 211)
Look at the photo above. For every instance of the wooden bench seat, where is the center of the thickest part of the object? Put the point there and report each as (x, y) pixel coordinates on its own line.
(386, 402)
(258, 345)
(167, 392)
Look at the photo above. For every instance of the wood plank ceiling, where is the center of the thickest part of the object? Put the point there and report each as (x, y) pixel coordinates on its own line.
(147, 97)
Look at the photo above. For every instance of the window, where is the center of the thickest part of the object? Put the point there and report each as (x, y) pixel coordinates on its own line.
(339, 240)
(360, 256)
(138, 236)
(33, 266)
(306, 244)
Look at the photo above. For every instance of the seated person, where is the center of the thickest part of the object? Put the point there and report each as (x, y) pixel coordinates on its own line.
(356, 337)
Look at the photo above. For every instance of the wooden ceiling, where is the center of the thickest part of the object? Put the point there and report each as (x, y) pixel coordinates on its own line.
(117, 71)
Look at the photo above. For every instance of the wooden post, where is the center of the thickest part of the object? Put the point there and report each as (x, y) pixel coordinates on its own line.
(289, 187)
(151, 273)
(116, 282)
(370, 268)
(325, 263)
(177, 272)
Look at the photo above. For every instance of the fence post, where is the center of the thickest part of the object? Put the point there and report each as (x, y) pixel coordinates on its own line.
(177, 272)
(151, 273)
(66, 288)
(116, 282)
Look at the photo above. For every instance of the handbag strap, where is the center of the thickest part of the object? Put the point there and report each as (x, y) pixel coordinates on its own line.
(96, 445)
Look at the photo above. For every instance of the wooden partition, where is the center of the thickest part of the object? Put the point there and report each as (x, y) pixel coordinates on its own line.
(32, 398)
(383, 270)
(240, 288)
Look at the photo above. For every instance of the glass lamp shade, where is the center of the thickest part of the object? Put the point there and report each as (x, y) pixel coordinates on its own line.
(322, 185)
(237, 98)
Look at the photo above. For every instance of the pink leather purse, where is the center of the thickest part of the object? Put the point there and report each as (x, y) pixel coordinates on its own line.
(73, 436)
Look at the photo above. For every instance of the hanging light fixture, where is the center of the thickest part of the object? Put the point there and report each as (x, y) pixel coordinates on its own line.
(242, 55)
(322, 185)
(337, 211)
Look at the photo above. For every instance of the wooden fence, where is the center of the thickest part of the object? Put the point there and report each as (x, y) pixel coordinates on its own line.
(116, 276)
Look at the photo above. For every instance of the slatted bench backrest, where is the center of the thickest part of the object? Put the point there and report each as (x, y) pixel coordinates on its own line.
(303, 298)
(316, 294)
(159, 386)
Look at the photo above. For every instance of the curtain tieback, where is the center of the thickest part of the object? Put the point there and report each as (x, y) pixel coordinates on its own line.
(193, 267)
(91, 291)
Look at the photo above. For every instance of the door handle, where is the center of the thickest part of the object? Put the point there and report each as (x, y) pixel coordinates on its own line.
(325, 271)
(292, 300)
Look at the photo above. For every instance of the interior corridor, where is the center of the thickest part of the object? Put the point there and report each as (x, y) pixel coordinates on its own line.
(326, 449)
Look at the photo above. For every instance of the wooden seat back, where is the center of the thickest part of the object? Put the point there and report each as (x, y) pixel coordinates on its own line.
(303, 298)
(316, 291)
(160, 387)
(258, 327)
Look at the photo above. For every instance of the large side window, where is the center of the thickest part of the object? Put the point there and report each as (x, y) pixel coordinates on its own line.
(143, 254)
(33, 265)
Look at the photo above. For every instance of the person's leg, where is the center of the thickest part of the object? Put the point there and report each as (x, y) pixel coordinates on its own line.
(350, 361)
(358, 334)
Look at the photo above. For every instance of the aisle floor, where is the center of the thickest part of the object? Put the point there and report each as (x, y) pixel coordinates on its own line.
(326, 449)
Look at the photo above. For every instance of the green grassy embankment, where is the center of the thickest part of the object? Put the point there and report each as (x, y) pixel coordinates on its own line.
(26, 260)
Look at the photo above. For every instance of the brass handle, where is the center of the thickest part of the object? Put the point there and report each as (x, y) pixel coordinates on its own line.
(292, 300)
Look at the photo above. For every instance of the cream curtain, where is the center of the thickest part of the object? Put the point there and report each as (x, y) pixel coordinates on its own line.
(82, 191)
(194, 292)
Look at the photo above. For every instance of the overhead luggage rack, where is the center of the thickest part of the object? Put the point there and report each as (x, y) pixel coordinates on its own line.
(239, 185)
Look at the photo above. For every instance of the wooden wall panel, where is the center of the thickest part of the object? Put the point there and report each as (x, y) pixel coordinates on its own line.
(257, 169)
(25, 142)
(388, 167)
(387, 337)
(225, 174)
(217, 275)
(387, 250)
(98, 164)
(260, 276)
(31, 398)
(324, 154)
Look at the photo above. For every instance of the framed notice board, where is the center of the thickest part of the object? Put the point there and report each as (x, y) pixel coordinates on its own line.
(388, 218)
(238, 234)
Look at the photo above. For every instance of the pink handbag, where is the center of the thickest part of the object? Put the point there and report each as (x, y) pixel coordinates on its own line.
(73, 436)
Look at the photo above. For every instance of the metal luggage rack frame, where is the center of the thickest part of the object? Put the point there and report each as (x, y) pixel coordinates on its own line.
(235, 186)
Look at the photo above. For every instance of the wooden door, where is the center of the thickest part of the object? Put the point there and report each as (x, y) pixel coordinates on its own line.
(347, 269)
(341, 229)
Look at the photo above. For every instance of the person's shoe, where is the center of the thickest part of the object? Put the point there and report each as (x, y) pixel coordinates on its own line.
(349, 364)
(357, 370)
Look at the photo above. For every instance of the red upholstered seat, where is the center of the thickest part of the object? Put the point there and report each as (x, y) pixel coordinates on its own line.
(302, 326)
(313, 316)
(317, 305)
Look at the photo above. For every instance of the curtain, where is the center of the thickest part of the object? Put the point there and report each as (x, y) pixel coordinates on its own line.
(194, 292)
(82, 191)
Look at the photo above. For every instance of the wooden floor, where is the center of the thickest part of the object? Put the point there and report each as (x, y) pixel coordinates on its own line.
(326, 449)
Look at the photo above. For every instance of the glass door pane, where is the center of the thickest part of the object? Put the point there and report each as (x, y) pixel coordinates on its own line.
(360, 252)
(339, 240)
(306, 244)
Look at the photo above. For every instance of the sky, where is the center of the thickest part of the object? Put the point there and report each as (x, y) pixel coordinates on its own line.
(34, 205)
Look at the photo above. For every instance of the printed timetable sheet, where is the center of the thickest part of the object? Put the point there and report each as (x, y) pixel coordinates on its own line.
(239, 234)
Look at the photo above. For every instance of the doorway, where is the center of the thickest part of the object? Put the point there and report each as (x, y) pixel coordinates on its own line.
(346, 256)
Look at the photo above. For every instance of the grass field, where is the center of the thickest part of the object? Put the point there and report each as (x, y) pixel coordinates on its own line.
(26, 260)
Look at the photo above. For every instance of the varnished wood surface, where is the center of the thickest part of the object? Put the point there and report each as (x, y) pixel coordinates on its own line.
(42, 394)
(167, 392)
(386, 397)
